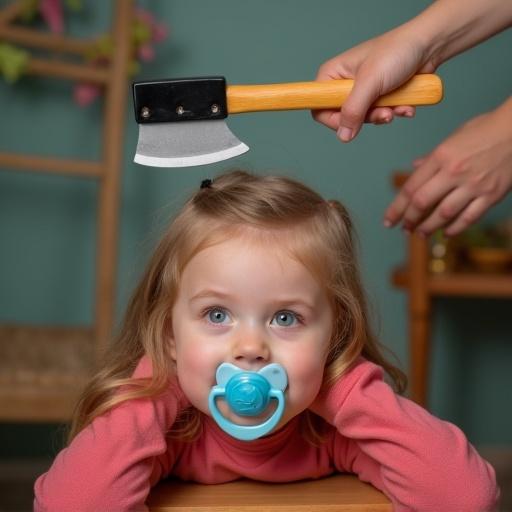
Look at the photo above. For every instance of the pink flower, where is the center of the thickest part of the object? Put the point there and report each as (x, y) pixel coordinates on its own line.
(51, 11)
(160, 32)
(145, 16)
(84, 94)
(146, 52)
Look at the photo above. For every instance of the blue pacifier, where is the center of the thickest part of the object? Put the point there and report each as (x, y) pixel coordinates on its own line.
(248, 394)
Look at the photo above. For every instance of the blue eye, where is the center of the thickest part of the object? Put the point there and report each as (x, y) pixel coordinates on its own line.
(285, 318)
(217, 316)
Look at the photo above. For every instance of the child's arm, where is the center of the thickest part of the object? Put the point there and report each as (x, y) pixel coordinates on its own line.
(111, 464)
(420, 462)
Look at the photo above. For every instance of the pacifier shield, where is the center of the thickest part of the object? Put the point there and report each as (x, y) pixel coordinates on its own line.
(248, 394)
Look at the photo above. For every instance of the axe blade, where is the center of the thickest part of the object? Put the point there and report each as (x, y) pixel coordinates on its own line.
(186, 143)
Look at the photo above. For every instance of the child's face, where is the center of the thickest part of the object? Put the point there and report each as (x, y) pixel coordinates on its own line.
(250, 304)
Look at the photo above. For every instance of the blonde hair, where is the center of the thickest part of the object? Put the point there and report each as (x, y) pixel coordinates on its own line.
(320, 235)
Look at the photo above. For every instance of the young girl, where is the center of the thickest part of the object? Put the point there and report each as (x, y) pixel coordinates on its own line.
(256, 285)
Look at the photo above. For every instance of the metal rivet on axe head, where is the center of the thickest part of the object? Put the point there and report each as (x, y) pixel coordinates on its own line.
(145, 112)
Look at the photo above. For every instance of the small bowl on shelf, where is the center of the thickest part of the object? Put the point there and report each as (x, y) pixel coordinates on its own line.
(490, 259)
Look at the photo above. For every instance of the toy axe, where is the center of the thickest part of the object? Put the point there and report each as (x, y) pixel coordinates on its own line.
(182, 121)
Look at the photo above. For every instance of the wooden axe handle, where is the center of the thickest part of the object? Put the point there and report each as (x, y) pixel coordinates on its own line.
(424, 89)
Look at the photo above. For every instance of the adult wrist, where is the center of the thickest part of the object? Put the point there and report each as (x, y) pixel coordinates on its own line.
(505, 110)
(429, 38)
(420, 40)
(449, 27)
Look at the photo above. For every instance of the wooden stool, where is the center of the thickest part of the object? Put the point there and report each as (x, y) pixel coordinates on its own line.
(338, 493)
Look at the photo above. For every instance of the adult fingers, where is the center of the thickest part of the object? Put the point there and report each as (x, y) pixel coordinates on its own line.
(468, 216)
(330, 70)
(446, 211)
(364, 92)
(419, 161)
(383, 115)
(379, 115)
(330, 118)
(404, 111)
(425, 199)
(396, 209)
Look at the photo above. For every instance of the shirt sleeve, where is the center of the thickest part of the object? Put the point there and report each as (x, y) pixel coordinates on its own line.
(419, 461)
(110, 465)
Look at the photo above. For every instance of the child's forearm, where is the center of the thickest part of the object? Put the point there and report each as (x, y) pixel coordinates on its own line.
(448, 27)
(419, 461)
(110, 465)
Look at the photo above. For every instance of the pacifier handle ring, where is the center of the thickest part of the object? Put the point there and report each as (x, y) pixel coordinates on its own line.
(246, 432)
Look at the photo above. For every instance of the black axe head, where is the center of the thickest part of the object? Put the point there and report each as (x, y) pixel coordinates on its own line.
(181, 122)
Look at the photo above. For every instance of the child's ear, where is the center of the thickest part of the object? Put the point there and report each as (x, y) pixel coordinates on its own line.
(169, 336)
(172, 346)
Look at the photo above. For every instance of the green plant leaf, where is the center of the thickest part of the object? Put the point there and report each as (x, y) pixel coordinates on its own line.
(75, 5)
(13, 62)
(29, 10)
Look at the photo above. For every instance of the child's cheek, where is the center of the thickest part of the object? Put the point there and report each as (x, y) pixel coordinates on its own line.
(196, 367)
(305, 381)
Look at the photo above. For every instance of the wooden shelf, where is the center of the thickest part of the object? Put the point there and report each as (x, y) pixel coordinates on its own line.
(42, 371)
(67, 70)
(11, 12)
(31, 163)
(422, 286)
(47, 41)
(470, 284)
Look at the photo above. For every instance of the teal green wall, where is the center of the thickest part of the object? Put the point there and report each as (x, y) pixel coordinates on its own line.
(47, 223)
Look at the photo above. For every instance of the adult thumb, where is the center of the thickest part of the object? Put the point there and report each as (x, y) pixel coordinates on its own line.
(355, 108)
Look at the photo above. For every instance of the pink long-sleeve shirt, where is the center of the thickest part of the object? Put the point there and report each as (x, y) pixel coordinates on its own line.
(420, 462)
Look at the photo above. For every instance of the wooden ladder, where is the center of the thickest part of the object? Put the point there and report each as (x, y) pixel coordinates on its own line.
(43, 369)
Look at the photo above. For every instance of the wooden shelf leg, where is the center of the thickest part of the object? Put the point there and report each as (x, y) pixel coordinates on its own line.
(115, 106)
(419, 319)
(419, 356)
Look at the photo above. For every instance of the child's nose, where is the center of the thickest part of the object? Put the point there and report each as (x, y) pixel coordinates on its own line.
(251, 349)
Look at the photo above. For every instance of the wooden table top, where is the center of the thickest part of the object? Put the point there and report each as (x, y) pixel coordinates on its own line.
(338, 493)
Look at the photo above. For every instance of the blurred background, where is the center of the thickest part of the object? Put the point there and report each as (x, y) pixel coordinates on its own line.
(49, 221)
